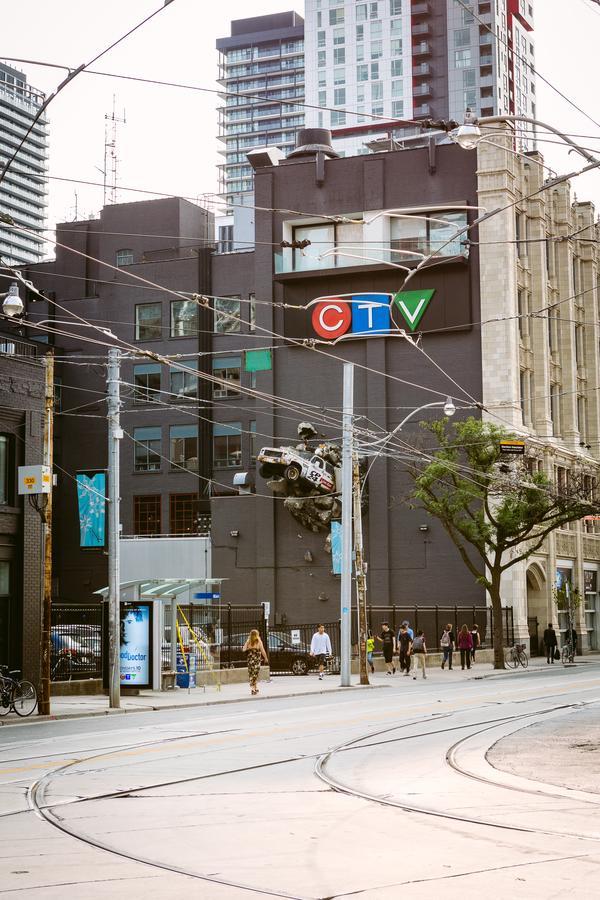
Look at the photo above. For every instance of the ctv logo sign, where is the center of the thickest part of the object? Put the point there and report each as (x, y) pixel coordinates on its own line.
(363, 315)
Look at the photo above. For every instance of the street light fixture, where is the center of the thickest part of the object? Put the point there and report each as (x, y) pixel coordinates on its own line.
(12, 305)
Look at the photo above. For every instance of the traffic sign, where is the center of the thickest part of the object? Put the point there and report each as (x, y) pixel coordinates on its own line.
(203, 596)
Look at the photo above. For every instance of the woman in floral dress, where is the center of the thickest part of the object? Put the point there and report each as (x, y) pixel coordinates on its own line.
(256, 651)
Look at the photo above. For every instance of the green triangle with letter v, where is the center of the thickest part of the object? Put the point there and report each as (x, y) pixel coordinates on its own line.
(412, 305)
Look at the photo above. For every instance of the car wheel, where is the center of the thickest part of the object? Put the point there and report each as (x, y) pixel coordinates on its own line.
(266, 470)
(299, 667)
(293, 472)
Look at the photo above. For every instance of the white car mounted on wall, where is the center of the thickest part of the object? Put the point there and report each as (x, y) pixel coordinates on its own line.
(297, 466)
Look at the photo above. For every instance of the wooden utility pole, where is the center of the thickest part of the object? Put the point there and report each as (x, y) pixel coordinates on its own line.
(360, 568)
(46, 514)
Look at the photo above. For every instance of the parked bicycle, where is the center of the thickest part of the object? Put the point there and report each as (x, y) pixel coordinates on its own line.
(516, 656)
(19, 695)
(567, 653)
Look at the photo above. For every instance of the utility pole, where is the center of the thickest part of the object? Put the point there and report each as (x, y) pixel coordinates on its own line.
(115, 433)
(361, 575)
(46, 514)
(346, 579)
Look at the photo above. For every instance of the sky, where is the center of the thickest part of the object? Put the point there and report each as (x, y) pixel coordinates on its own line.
(168, 143)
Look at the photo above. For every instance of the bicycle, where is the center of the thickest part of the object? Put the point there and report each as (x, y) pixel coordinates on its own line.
(567, 653)
(21, 696)
(517, 656)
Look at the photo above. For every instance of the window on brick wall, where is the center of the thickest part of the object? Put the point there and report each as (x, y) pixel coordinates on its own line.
(184, 515)
(146, 514)
(6, 470)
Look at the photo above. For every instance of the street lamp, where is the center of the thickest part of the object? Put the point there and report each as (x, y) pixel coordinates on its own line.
(12, 305)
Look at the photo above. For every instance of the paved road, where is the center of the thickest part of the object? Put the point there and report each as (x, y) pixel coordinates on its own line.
(360, 794)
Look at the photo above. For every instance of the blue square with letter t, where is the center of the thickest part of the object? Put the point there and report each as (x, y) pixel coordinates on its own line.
(371, 313)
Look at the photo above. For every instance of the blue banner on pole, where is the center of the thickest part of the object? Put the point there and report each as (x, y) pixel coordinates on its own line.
(336, 547)
(91, 499)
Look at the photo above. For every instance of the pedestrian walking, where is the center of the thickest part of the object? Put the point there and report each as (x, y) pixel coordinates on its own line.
(476, 641)
(404, 645)
(550, 643)
(256, 651)
(320, 648)
(409, 629)
(419, 653)
(447, 643)
(465, 645)
(370, 651)
(389, 646)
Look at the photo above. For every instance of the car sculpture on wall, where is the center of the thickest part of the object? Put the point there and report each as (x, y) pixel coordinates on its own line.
(297, 466)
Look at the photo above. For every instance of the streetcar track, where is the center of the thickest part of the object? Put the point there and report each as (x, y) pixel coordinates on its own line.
(340, 787)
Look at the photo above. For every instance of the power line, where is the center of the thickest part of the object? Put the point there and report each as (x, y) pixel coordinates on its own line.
(69, 77)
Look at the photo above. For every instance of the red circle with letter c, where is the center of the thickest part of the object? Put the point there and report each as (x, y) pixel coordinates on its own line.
(331, 318)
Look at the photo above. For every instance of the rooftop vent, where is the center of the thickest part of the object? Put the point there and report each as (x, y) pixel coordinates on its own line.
(311, 141)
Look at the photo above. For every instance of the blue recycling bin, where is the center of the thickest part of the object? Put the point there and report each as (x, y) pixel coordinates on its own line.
(186, 677)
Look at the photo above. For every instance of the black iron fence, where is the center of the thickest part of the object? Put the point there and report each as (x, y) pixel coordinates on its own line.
(289, 649)
(433, 619)
(215, 635)
(76, 640)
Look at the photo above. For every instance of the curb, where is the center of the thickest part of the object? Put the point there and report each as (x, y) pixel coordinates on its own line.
(61, 717)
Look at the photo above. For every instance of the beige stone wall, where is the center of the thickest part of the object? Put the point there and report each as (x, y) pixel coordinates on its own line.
(540, 338)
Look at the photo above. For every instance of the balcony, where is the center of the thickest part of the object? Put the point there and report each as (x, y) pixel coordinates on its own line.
(408, 251)
(422, 69)
(422, 112)
(485, 39)
(420, 9)
(422, 28)
(422, 90)
(422, 49)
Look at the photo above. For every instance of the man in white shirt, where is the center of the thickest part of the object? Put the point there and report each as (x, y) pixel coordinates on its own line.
(320, 648)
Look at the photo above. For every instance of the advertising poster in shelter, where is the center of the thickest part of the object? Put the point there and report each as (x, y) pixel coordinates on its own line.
(136, 620)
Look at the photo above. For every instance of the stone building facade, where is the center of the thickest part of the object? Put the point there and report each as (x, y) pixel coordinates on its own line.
(540, 335)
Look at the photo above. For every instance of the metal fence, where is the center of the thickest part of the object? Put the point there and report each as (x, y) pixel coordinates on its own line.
(289, 649)
(76, 639)
(432, 619)
(214, 634)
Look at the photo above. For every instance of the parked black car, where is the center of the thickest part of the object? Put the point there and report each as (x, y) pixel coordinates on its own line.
(283, 655)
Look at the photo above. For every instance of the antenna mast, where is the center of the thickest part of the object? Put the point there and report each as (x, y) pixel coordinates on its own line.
(111, 160)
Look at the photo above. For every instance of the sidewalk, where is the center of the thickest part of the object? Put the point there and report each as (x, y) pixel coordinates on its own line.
(280, 686)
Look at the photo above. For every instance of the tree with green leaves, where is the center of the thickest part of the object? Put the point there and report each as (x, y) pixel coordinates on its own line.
(494, 510)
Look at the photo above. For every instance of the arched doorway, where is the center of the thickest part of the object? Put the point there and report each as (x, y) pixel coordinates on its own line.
(537, 606)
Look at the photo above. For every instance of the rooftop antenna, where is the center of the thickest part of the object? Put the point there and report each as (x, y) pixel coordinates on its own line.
(111, 160)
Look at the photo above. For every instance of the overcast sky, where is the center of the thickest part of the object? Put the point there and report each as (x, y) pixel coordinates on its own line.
(169, 141)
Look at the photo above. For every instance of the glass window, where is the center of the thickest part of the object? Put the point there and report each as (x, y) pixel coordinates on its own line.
(147, 449)
(227, 445)
(469, 78)
(148, 322)
(336, 16)
(376, 49)
(396, 68)
(339, 97)
(338, 118)
(228, 369)
(396, 27)
(397, 88)
(183, 447)
(184, 514)
(339, 76)
(320, 39)
(322, 98)
(5, 471)
(4, 578)
(339, 56)
(146, 379)
(323, 236)
(396, 47)
(373, 10)
(376, 30)
(184, 318)
(360, 52)
(254, 447)
(362, 73)
(462, 37)
(395, 7)
(462, 59)
(339, 36)
(361, 12)
(360, 33)
(377, 90)
(425, 236)
(124, 257)
(397, 109)
(375, 71)
(184, 385)
(227, 315)
(252, 307)
(321, 59)
(146, 514)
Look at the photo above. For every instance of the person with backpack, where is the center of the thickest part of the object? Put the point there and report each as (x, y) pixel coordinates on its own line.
(447, 643)
(476, 641)
(404, 647)
(419, 653)
(465, 645)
